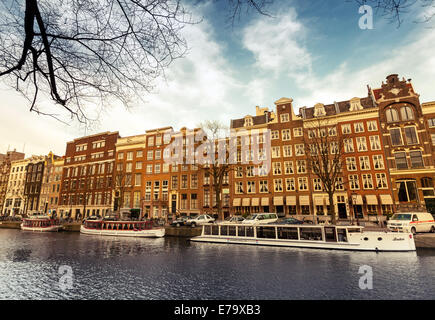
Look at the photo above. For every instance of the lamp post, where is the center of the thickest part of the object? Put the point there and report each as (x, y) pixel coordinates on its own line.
(354, 199)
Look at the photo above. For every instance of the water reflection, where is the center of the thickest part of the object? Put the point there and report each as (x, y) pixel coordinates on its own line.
(175, 268)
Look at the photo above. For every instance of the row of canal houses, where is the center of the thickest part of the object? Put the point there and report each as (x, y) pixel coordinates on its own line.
(387, 165)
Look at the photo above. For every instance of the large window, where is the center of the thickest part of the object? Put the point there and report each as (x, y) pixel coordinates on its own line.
(416, 159)
(401, 162)
(407, 190)
(411, 135)
(396, 137)
(392, 115)
(406, 113)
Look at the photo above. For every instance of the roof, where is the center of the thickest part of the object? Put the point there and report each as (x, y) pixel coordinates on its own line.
(343, 106)
(256, 120)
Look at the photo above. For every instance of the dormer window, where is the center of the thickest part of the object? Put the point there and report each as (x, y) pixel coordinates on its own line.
(248, 122)
(355, 104)
(319, 110)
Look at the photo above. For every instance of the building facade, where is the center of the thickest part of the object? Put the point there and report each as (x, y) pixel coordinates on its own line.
(87, 178)
(5, 170)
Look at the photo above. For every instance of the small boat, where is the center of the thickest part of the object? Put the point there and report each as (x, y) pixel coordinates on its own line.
(40, 223)
(307, 236)
(122, 228)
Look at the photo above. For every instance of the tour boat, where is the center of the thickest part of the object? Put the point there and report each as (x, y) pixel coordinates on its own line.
(122, 228)
(307, 236)
(40, 224)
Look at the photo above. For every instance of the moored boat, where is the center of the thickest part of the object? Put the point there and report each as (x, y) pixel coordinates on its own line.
(40, 224)
(122, 228)
(307, 236)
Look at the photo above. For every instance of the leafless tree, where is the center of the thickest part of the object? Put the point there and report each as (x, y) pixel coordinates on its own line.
(324, 149)
(216, 149)
(87, 53)
(123, 184)
(394, 10)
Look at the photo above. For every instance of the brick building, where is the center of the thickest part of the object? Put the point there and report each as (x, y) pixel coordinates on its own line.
(87, 178)
(5, 170)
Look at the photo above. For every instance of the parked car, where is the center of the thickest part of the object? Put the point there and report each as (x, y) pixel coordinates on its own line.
(180, 221)
(234, 219)
(412, 222)
(199, 220)
(261, 218)
(289, 221)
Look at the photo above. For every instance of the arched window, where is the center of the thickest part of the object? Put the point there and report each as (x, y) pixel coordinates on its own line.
(392, 115)
(406, 113)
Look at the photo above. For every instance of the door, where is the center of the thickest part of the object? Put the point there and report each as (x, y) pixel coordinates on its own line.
(342, 213)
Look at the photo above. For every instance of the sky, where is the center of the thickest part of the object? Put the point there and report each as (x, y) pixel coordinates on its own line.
(310, 51)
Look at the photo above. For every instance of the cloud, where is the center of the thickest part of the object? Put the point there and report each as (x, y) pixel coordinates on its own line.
(277, 43)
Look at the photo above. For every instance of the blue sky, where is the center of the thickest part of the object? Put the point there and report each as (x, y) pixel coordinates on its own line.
(311, 51)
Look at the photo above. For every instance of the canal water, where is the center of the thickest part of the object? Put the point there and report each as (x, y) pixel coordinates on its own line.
(75, 266)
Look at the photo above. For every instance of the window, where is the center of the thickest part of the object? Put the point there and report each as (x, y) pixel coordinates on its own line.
(346, 129)
(381, 181)
(137, 179)
(149, 168)
(358, 127)
(375, 143)
(288, 167)
(392, 115)
(275, 134)
(158, 154)
(406, 113)
(150, 155)
(301, 166)
(286, 135)
(285, 117)
(290, 184)
(287, 150)
(194, 181)
(297, 132)
(367, 181)
(184, 181)
(396, 137)
(353, 182)
(130, 155)
(239, 172)
(276, 168)
(431, 122)
(361, 143)
(264, 186)
(150, 141)
(411, 135)
(303, 183)
(250, 171)
(120, 155)
(432, 136)
(239, 187)
(378, 161)
(139, 154)
(248, 122)
(351, 164)
(332, 131)
(251, 187)
(300, 151)
(311, 134)
(372, 125)
(401, 162)
(416, 159)
(317, 183)
(277, 184)
(348, 145)
(339, 186)
(157, 168)
(276, 152)
(128, 167)
(364, 163)
(138, 165)
(407, 190)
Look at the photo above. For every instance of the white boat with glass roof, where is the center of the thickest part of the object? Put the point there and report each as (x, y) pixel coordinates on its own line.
(307, 236)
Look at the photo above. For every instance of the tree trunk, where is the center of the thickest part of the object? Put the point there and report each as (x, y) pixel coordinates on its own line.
(331, 210)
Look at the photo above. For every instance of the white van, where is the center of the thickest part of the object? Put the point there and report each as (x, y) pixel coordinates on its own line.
(261, 218)
(412, 222)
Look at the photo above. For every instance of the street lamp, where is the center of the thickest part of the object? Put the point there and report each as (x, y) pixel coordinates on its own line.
(354, 199)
